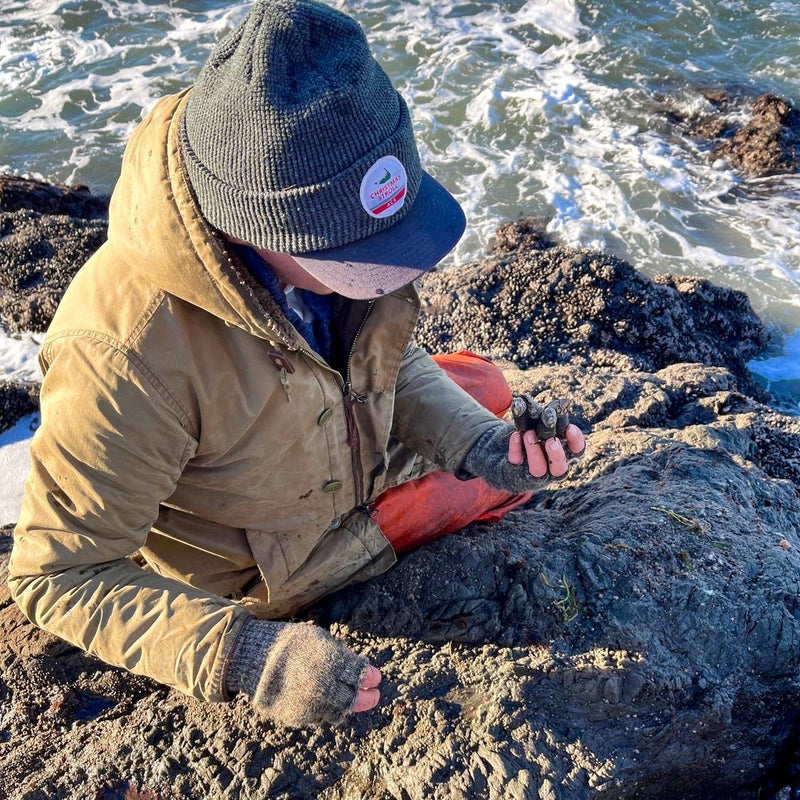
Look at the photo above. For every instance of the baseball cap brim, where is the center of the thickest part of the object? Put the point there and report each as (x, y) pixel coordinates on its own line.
(388, 260)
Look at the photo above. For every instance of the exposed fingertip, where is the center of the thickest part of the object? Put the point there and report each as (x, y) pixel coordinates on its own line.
(576, 441)
(366, 699)
(372, 678)
(530, 437)
(515, 454)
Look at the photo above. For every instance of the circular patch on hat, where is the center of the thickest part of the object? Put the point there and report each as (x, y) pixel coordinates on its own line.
(383, 187)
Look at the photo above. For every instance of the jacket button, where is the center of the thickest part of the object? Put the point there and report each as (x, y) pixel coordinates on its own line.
(324, 416)
(335, 523)
(332, 486)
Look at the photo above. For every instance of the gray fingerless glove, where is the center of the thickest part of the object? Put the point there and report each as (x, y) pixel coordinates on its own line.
(488, 459)
(295, 673)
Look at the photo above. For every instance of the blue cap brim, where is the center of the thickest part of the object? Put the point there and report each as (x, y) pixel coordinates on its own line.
(386, 261)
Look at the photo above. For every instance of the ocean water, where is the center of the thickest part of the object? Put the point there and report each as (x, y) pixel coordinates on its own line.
(555, 108)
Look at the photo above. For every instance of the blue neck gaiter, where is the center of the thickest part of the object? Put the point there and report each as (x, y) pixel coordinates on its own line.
(318, 332)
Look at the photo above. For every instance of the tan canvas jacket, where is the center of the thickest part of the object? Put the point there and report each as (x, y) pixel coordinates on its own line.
(184, 416)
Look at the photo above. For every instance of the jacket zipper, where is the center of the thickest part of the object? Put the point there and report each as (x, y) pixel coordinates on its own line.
(350, 398)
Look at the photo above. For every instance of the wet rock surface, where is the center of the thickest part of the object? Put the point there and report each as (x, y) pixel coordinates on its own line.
(46, 233)
(633, 633)
(768, 143)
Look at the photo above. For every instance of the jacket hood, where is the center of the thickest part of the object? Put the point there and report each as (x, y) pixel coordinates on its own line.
(155, 226)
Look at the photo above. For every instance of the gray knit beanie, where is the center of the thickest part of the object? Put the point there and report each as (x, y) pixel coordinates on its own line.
(288, 114)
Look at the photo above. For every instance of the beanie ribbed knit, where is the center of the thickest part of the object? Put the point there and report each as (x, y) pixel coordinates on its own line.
(283, 122)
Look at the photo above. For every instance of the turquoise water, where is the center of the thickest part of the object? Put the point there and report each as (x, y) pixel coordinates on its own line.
(549, 108)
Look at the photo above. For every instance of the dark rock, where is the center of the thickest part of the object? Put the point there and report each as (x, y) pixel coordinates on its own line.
(711, 128)
(564, 306)
(46, 233)
(713, 123)
(527, 233)
(18, 193)
(633, 634)
(17, 400)
(719, 98)
(768, 144)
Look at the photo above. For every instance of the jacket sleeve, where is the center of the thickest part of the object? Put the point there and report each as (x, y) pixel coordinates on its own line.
(433, 416)
(112, 445)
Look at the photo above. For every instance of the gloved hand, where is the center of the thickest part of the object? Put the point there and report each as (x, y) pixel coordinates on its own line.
(298, 674)
(516, 458)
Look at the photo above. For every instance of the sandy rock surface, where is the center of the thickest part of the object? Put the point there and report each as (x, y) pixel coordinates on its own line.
(633, 633)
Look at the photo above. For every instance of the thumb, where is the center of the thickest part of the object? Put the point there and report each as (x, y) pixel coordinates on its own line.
(368, 694)
(371, 679)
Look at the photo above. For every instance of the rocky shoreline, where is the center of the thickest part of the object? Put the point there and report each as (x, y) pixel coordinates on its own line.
(767, 143)
(633, 633)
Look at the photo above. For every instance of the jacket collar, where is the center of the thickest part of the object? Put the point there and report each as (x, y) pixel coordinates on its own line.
(155, 225)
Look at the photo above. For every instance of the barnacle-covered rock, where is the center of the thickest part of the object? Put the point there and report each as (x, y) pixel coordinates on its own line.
(46, 233)
(560, 305)
(633, 633)
(766, 143)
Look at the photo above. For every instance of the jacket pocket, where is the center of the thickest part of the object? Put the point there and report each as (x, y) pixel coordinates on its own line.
(354, 551)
